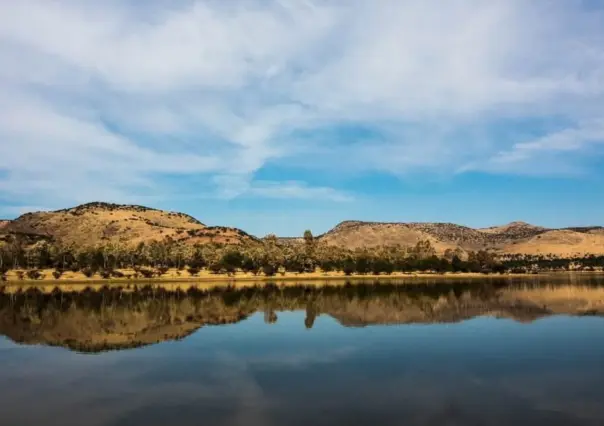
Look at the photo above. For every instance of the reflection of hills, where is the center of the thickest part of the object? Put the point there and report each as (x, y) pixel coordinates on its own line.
(453, 304)
(92, 321)
(444, 310)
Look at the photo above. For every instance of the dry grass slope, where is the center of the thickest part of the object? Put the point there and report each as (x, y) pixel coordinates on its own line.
(513, 238)
(100, 223)
(367, 234)
(563, 243)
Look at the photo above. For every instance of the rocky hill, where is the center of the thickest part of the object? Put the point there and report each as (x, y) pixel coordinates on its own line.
(513, 238)
(98, 223)
(560, 242)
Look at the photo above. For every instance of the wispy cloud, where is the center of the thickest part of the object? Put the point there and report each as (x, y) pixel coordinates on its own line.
(104, 99)
(296, 190)
(546, 155)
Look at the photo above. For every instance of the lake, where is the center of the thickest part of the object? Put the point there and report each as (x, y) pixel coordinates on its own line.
(493, 351)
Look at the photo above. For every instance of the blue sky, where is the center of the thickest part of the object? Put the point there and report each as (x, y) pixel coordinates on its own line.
(277, 116)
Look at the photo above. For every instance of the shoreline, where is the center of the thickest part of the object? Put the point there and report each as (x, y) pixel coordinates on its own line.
(209, 278)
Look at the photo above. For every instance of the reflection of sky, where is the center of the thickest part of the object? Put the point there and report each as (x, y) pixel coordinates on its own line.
(482, 371)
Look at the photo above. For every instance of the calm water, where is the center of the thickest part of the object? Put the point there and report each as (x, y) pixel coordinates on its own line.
(477, 353)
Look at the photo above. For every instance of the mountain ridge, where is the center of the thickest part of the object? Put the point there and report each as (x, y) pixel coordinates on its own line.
(98, 222)
(516, 237)
(95, 223)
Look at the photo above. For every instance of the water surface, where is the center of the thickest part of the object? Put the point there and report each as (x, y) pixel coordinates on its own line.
(495, 352)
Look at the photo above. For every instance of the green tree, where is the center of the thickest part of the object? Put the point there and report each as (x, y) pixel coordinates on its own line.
(349, 266)
(232, 260)
(363, 264)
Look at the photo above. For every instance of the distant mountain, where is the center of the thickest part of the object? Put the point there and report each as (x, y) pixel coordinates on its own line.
(95, 223)
(515, 237)
(560, 242)
(515, 230)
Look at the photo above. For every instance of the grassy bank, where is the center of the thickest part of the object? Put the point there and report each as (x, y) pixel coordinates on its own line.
(16, 277)
(173, 274)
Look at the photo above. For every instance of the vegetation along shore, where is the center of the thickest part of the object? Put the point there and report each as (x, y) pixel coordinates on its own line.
(100, 241)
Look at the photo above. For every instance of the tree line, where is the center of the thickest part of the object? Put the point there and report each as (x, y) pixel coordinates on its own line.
(267, 257)
(523, 263)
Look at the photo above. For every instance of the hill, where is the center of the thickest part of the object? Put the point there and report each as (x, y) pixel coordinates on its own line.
(97, 223)
(353, 234)
(100, 223)
(561, 243)
(513, 238)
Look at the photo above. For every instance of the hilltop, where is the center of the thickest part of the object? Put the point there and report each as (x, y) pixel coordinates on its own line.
(513, 238)
(96, 223)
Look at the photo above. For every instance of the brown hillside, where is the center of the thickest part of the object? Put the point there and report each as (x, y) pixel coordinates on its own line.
(514, 230)
(100, 223)
(563, 243)
(443, 236)
(516, 237)
(95, 224)
(587, 229)
(367, 234)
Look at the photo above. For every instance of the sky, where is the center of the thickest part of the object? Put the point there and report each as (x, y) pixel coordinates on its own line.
(277, 116)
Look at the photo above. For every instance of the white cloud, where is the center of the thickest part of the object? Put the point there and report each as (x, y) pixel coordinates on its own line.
(102, 100)
(296, 190)
(546, 155)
